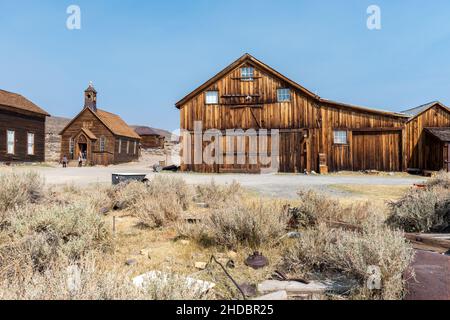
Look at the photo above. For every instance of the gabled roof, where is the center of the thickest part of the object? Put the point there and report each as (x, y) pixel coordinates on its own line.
(442, 134)
(415, 112)
(89, 134)
(113, 122)
(247, 58)
(19, 102)
(146, 131)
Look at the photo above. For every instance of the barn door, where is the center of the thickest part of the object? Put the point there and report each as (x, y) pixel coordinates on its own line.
(376, 151)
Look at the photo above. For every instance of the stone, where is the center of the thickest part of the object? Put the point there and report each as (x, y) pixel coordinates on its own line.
(274, 296)
(131, 262)
(104, 211)
(296, 288)
(294, 235)
(201, 265)
(248, 289)
(159, 277)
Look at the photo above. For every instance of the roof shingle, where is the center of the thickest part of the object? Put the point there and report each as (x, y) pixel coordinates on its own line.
(19, 102)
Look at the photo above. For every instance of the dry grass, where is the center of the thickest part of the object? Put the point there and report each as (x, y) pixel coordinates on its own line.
(216, 196)
(423, 210)
(334, 252)
(19, 189)
(250, 224)
(157, 203)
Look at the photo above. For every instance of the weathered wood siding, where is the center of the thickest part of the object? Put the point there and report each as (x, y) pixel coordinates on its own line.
(149, 142)
(263, 111)
(341, 157)
(22, 124)
(416, 148)
(111, 153)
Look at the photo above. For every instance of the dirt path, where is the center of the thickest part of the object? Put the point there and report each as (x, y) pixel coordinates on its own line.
(274, 185)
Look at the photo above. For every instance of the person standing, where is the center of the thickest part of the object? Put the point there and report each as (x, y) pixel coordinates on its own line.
(64, 161)
(80, 160)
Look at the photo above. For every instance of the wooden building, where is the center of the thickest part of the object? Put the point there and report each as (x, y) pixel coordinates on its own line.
(315, 134)
(22, 129)
(150, 138)
(103, 138)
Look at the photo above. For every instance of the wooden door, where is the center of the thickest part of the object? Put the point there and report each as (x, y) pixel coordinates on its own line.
(293, 152)
(376, 151)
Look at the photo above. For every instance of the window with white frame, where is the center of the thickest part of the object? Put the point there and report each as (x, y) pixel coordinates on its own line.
(340, 137)
(102, 144)
(30, 143)
(11, 141)
(71, 146)
(212, 97)
(120, 145)
(128, 146)
(284, 95)
(247, 73)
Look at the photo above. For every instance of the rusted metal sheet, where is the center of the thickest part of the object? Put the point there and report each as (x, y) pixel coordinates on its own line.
(432, 277)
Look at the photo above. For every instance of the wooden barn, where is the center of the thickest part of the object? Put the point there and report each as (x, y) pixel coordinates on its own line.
(22, 129)
(101, 137)
(150, 138)
(315, 134)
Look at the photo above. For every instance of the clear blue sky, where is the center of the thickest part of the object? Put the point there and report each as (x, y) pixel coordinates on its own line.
(143, 56)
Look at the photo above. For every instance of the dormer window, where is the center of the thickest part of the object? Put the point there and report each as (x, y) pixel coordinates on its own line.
(212, 97)
(247, 73)
(284, 95)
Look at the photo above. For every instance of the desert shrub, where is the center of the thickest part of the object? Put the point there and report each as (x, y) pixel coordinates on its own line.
(441, 180)
(157, 203)
(421, 210)
(18, 189)
(42, 236)
(339, 252)
(216, 196)
(249, 224)
(90, 283)
(315, 207)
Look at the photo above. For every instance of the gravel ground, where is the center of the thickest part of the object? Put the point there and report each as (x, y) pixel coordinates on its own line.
(275, 185)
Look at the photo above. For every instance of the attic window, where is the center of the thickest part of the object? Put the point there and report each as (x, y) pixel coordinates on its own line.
(247, 73)
(212, 97)
(284, 95)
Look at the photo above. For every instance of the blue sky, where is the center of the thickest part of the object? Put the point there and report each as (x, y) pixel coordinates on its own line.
(143, 56)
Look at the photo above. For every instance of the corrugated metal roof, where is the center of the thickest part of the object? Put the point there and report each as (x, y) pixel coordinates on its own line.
(420, 109)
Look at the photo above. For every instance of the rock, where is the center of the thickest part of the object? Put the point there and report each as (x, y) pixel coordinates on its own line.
(248, 289)
(298, 288)
(294, 235)
(104, 211)
(120, 205)
(275, 296)
(185, 242)
(201, 265)
(131, 262)
(159, 277)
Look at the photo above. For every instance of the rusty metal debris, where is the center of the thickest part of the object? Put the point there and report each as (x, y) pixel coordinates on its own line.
(257, 261)
(428, 277)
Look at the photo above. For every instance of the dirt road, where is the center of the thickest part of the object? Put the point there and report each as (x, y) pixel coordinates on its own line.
(276, 185)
